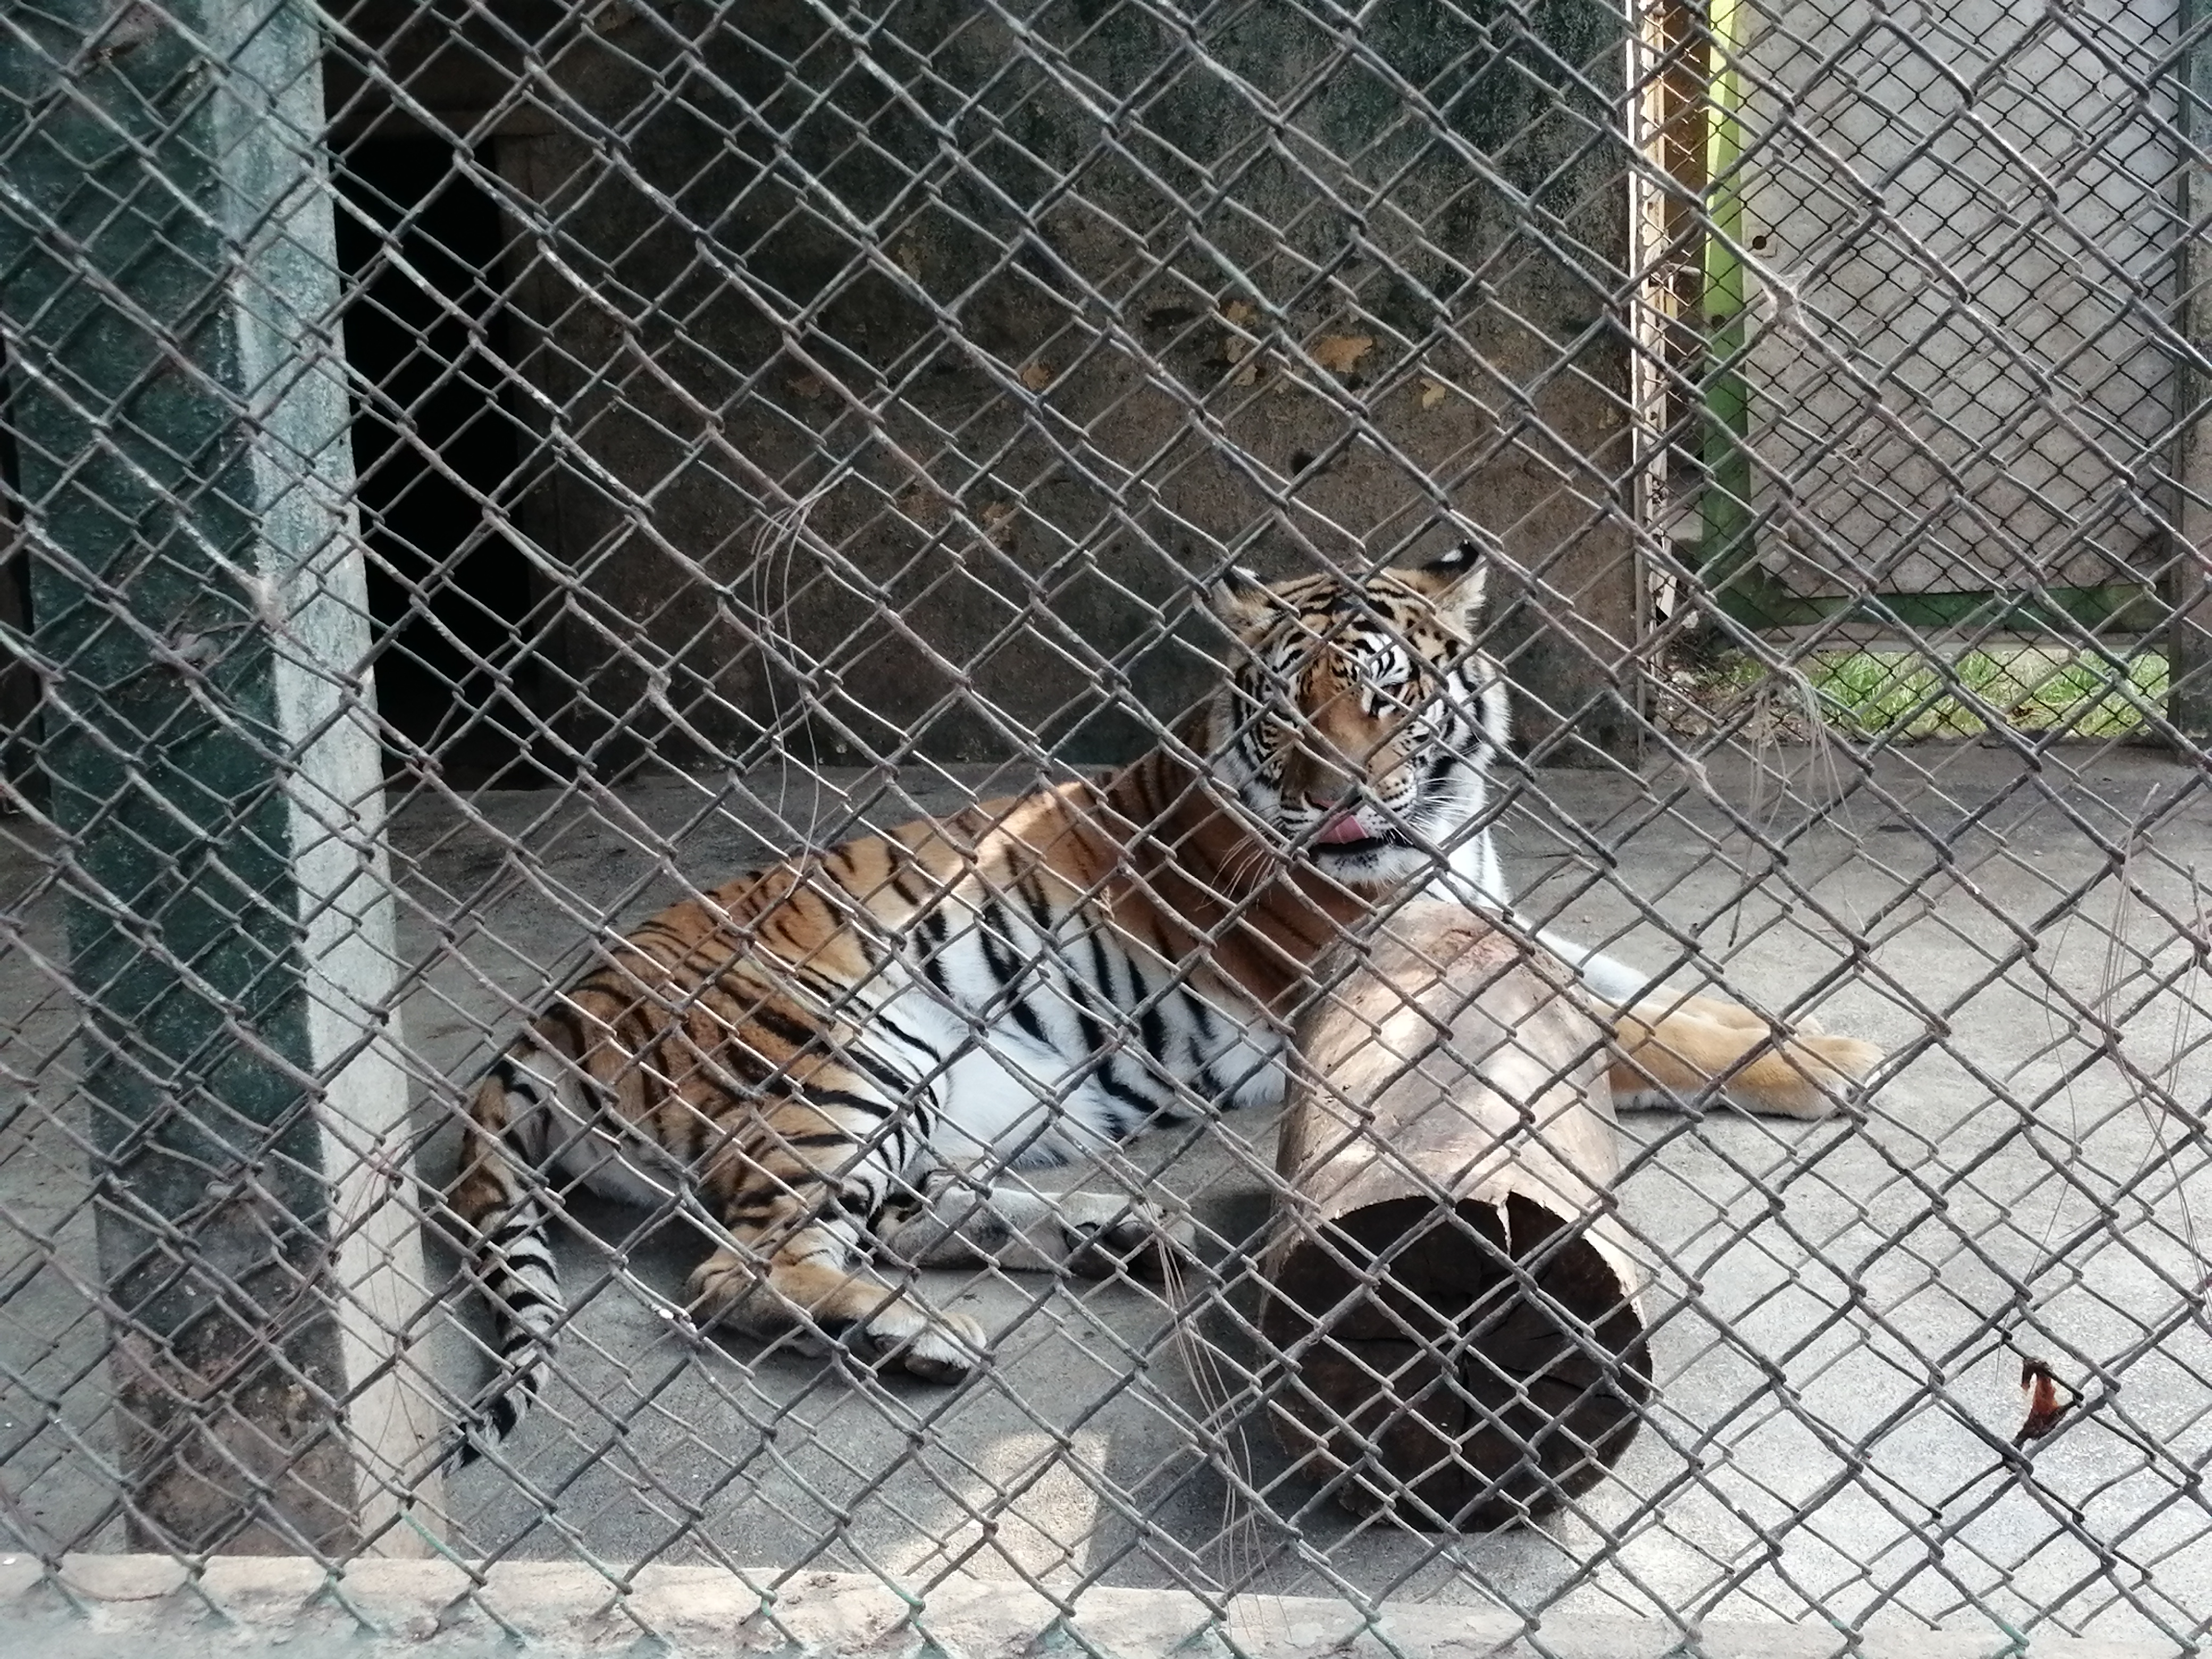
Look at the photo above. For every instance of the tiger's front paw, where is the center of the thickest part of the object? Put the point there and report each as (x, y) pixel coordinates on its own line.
(1824, 1070)
(1105, 1234)
(1851, 1057)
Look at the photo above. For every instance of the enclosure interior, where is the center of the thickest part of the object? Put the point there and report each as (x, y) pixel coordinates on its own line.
(768, 428)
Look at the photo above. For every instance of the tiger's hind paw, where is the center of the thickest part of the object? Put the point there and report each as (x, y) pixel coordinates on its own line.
(905, 1335)
(1105, 1234)
(1017, 1229)
(824, 1308)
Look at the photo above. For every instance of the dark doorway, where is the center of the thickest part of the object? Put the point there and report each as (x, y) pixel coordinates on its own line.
(435, 452)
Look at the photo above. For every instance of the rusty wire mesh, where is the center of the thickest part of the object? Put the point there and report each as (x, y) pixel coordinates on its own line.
(765, 425)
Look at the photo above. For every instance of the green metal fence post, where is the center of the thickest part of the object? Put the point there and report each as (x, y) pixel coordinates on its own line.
(1725, 504)
(168, 287)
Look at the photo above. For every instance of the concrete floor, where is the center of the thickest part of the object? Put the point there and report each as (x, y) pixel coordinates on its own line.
(1839, 1309)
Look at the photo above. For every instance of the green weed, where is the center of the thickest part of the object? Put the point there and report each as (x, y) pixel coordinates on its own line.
(1887, 692)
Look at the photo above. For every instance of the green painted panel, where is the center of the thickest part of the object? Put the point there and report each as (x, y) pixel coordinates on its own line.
(168, 278)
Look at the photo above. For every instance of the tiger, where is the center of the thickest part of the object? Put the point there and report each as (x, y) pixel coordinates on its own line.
(825, 1062)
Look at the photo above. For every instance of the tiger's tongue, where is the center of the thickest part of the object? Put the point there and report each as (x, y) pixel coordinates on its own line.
(1345, 826)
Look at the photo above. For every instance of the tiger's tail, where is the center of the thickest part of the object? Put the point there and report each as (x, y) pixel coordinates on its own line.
(499, 1196)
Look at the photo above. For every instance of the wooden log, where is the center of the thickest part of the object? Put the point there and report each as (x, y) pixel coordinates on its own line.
(1450, 1296)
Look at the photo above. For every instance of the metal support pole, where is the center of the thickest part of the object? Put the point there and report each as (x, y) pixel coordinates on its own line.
(2188, 576)
(168, 287)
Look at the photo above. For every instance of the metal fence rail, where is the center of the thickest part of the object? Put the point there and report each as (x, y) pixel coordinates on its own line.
(477, 474)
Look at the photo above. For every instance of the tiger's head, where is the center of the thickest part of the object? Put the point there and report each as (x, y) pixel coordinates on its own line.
(1358, 720)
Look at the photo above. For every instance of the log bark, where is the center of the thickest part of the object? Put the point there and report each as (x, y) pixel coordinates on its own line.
(1451, 1300)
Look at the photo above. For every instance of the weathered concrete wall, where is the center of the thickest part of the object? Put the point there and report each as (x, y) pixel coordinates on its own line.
(1966, 250)
(1040, 329)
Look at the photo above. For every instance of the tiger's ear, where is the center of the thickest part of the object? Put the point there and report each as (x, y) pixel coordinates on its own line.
(1240, 598)
(1455, 583)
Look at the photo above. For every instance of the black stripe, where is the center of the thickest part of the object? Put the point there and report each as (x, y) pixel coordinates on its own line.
(1201, 1016)
(1040, 906)
(829, 990)
(1094, 1037)
(760, 1201)
(991, 938)
(908, 1038)
(538, 1091)
(1006, 967)
(892, 1080)
(815, 1094)
(798, 1033)
(834, 994)
(859, 1060)
(1440, 771)
(853, 1206)
(930, 928)
(1026, 1016)
(1101, 974)
(579, 1040)
(813, 1142)
(1151, 1024)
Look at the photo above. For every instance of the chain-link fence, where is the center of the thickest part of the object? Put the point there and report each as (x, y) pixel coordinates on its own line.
(479, 474)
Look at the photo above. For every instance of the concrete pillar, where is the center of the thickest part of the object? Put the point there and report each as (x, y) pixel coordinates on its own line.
(168, 286)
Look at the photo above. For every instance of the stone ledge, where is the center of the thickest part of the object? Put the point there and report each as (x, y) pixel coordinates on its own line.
(246, 1605)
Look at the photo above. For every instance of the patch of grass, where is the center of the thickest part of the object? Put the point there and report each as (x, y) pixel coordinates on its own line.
(1887, 692)
(2026, 688)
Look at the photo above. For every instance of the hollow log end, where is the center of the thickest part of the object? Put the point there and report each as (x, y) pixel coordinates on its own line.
(1457, 1367)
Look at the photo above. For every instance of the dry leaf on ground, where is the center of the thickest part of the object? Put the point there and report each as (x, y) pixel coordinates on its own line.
(1340, 353)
